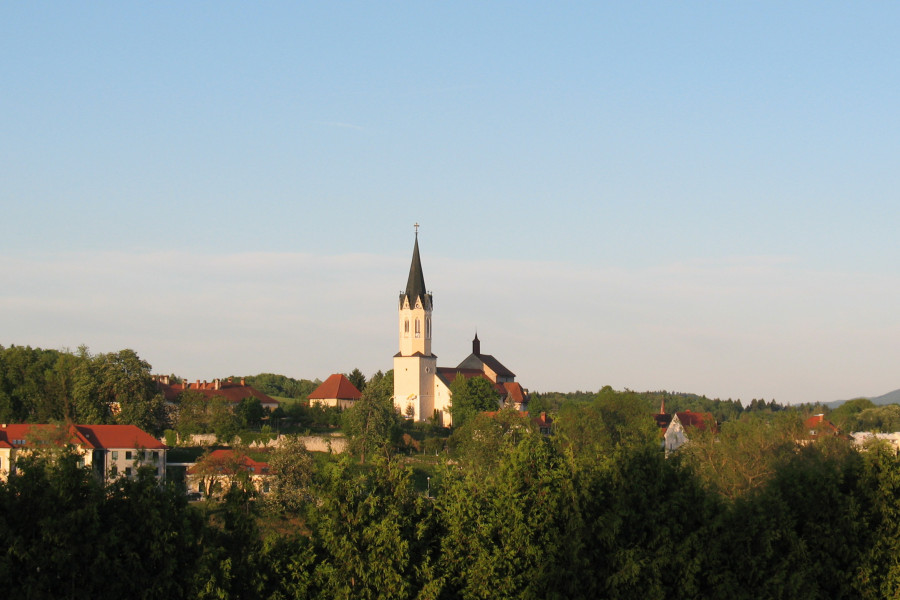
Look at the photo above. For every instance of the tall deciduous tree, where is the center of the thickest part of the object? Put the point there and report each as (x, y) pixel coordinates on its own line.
(372, 422)
(468, 397)
(375, 535)
(291, 467)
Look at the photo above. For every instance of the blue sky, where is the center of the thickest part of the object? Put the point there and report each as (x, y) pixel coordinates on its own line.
(687, 196)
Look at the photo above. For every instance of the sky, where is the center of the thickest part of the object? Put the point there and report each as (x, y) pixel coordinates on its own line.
(694, 197)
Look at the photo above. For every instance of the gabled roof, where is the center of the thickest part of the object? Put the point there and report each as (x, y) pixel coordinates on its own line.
(86, 436)
(119, 436)
(699, 421)
(819, 425)
(415, 284)
(224, 456)
(515, 392)
(476, 360)
(19, 435)
(336, 387)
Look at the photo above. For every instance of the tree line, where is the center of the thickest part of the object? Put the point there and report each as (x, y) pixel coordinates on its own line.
(594, 511)
(41, 386)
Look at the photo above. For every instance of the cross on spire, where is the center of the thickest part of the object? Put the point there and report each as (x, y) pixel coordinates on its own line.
(417, 229)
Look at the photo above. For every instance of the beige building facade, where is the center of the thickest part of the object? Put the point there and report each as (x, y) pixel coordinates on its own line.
(421, 388)
(415, 366)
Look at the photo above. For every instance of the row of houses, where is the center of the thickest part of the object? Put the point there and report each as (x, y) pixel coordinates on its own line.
(114, 451)
(677, 428)
(110, 450)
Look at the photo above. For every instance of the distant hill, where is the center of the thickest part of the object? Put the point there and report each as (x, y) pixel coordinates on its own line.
(889, 398)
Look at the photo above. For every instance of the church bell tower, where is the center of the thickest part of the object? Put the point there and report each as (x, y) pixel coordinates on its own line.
(414, 364)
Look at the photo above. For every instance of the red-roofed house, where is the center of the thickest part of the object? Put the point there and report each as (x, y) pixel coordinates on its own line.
(818, 426)
(212, 474)
(335, 391)
(229, 389)
(111, 450)
(683, 424)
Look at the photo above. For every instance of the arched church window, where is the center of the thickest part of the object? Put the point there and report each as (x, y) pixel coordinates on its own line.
(406, 327)
(418, 328)
(428, 328)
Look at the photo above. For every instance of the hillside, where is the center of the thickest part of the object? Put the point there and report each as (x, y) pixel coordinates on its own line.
(889, 398)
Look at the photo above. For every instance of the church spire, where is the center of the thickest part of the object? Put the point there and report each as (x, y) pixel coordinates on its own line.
(415, 285)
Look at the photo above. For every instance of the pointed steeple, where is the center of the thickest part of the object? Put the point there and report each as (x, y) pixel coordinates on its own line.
(476, 345)
(415, 285)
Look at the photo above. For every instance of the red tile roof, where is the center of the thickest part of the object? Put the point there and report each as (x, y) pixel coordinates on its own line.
(86, 436)
(697, 420)
(542, 421)
(515, 392)
(228, 389)
(819, 425)
(119, 436)
(224, 456)
(336, 387)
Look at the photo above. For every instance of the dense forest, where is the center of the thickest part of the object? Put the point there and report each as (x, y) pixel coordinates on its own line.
(492, 509)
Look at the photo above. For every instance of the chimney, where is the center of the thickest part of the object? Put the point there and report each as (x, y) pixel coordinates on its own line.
(242, 382)
(216, 384)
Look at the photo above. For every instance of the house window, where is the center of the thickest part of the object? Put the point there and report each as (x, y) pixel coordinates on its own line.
(266, 488)
(128, 455)
(115, 455)
(127, 471)
(155, 456)
(113, 471)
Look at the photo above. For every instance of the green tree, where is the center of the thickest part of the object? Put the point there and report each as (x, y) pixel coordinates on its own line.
(745, 454)
(468, 397)
(291, 467)
(801, 535)
(250, 412)
(879, 572)
(127, 389)
(221, 418)
(845, 415)
(485, 438)
(372, 423)
(374, 534)
(503, 534)
(357, 379)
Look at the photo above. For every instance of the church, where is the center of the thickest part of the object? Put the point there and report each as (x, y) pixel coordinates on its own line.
(421, 388)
